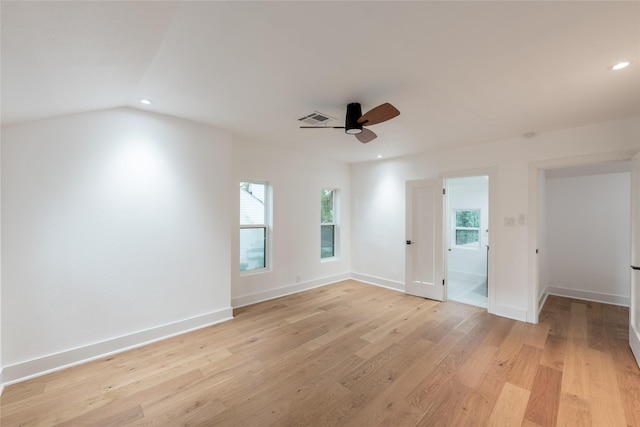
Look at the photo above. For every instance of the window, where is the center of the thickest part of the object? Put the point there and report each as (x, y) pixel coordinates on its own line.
(253, 226)
(467, 228)
(328, 223)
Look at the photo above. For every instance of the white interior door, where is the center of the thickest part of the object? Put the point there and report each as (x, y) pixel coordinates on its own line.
(634, 308)
(424, 269)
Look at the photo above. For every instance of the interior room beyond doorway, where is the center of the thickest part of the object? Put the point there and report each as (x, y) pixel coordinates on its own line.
(468, 239)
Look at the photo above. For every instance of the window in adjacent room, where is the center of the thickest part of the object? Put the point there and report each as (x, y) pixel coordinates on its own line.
(467, 228)
(328, 223)
(254, 231)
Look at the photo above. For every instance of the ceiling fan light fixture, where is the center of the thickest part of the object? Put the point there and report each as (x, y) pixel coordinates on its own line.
(355, 121)
(354, 112)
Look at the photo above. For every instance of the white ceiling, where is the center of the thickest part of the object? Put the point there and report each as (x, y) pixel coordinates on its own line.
(460, 72)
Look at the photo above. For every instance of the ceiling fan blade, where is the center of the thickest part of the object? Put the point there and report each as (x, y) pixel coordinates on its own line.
(366, 136)
(321, 127)
(379, 114)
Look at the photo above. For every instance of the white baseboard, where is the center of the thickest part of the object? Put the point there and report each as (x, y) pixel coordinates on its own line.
(1, 380)
(245, 300)
(589, 296)
(377, 281)
(510, 312)
(55, 362)
(542, 300)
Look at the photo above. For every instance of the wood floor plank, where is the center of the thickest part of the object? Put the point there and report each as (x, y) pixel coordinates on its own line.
(356, 355)
(606, 406)
(470, 409)
(544, 400)
(509, 349)
(560, 324)
(499, 332)
(537, 335)
(32, 409)
(119, 406)
(525, 367)
(23, 391)
(553, 353)
(395, 325)
(578, 323)
(573, 410)
(596, 336)
(382, 371)
(511, 406)
(575, 395)
(630, 392)
(442, 361)
(390, 407)
(189, 412)
(444, 328)
(475, 368)
(443, 405)
(443, 380)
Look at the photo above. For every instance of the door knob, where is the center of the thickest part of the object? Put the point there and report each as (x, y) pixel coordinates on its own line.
(409, 242)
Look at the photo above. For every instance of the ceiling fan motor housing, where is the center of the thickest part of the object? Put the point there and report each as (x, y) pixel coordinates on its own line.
(354, 112)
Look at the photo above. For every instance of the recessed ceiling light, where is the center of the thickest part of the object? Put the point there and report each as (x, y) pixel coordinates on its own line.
(145, 101)
(620, 65)
(379, 156)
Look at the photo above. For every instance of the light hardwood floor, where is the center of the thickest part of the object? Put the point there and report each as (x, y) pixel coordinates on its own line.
(351, 354)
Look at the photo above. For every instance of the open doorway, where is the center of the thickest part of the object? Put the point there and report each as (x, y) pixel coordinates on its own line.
(584, 232)
(540, 282)
(467, 239)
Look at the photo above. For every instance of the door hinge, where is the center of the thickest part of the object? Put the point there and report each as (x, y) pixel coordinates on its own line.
(537, 251)
(442, 282)
(444, 191)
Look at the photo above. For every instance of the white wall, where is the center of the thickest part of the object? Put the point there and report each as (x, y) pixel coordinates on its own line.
(379, 203)
(468, 193)
(296, 180)
(588, 240)
(115, 232)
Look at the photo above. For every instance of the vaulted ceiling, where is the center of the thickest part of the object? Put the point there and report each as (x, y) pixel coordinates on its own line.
(461, 73)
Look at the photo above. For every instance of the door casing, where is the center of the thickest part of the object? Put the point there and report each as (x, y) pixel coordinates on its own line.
(494, 249)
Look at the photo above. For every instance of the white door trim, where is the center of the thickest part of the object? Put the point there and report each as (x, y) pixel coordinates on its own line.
(634, 298)
(494, 249)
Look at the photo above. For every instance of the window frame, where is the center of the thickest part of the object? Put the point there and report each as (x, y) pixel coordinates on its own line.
(469, 246)
(264, 225)
(335, 224)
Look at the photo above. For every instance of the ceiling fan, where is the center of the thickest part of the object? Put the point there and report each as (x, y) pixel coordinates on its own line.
(355, 120)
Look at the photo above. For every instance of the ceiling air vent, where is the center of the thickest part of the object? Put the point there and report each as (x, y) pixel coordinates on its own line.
(316, 118)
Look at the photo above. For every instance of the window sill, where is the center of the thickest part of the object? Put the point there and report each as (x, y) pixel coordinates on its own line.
(331, 259)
